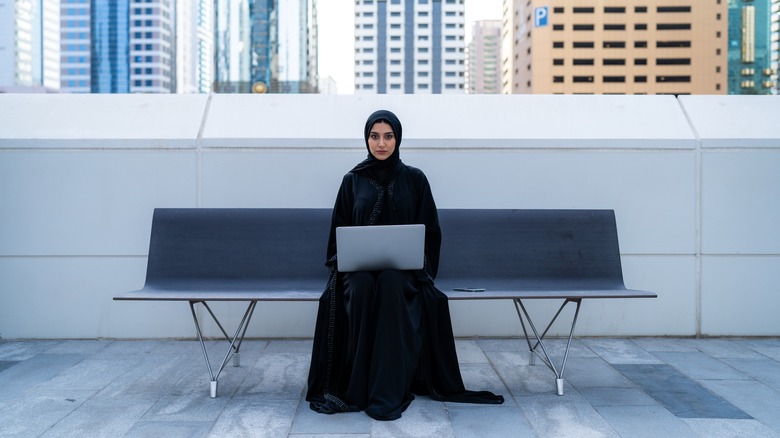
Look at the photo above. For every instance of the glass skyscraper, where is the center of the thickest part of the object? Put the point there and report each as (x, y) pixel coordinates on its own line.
(753, 46)
(29, 45)
(110, 54)
(266, 46)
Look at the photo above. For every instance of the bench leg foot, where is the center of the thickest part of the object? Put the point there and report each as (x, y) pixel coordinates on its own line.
(236, 360)
(532, 358)
(213, 389)
(559, 386)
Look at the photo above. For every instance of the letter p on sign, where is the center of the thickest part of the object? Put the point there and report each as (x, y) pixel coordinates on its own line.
(541, 14)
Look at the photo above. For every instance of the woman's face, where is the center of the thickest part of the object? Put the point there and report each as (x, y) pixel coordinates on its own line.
(381, 141)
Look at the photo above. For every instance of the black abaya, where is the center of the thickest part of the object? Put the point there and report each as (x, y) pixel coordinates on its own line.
(381, 337)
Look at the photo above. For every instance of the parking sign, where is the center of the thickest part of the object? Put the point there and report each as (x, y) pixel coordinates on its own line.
(541, 14)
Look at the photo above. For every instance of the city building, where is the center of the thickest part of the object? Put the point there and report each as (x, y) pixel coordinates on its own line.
(152, 45)
(194, 46)
(120, 46)
(410, 46)
(76, 46)
(29, 45)
(484, 58)
(753, 46)
(266, 46)
(609, 47)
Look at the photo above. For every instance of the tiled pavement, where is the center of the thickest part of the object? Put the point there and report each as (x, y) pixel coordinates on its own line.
(614, 387)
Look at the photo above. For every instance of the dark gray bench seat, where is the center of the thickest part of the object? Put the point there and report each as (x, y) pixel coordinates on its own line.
(254, 255)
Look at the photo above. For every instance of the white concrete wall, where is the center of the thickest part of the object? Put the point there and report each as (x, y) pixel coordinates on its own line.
(695, 183)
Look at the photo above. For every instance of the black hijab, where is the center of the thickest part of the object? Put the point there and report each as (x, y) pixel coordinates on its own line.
(382, 170)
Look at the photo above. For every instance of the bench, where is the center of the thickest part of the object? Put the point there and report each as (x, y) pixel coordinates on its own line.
(266, 254)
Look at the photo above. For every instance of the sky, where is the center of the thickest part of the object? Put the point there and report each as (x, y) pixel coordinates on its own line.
(336, 22)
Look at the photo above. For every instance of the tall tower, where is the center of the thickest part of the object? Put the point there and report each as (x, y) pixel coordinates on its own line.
(30, 45)
(410, 46)
(152, 47)
(484, 58)
(194, 46)
(753, 46)
(609, 47)
(75, 56)
(266, 46)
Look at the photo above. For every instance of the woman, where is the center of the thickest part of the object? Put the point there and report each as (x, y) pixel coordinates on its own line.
(382, 336)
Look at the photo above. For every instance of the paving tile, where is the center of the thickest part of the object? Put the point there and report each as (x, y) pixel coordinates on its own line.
(698, 365)
(23, 350)
(469, 352)
(722, 348)
(5, 364)
(482, 377)
(620, 351)
(519, 378)
(38, 411)
(502, 345)
(663, 344)
(617, 397)
(80, 346)
(423, 418)
(584, 372)
(763, 370)
(679, 394)
(34, 371)
(246, 416)
(567, 416)
(277, 375)
(101, 417)
(716, 428)
(755, 398)
(91, 373)
(289, 346)
(308, 422)
(488, 421)
(188, 407)
(170, 429)
(644, 421)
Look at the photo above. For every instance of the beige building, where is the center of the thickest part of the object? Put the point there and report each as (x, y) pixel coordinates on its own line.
(484, 58)
(615, 47)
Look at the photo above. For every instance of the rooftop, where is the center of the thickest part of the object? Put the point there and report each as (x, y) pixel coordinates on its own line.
(629, 387)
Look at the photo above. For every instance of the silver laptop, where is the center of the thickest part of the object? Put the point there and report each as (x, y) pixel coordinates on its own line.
(379, 247)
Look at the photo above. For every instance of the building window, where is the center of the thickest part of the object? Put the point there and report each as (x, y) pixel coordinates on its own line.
(583, 27)
(614, 10)
(583, 10)
(673, 26)
(558, 61)
(614, 61)
(640, 61)
(673, 9)
(614, 44)
(614, 27)
(557, 44)
(580, 61)
(640, 9)
(558, 10)
(557, 27)
(640, 26)
(668, 44)
(582, 44)
(673, 61)
(558, 79)
(582, 79)
(640, 79)
(673, 79)
(640, 44)
(614, 78)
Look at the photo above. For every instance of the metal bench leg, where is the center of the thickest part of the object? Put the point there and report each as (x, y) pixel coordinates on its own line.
(522, 311)
(235, 341)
